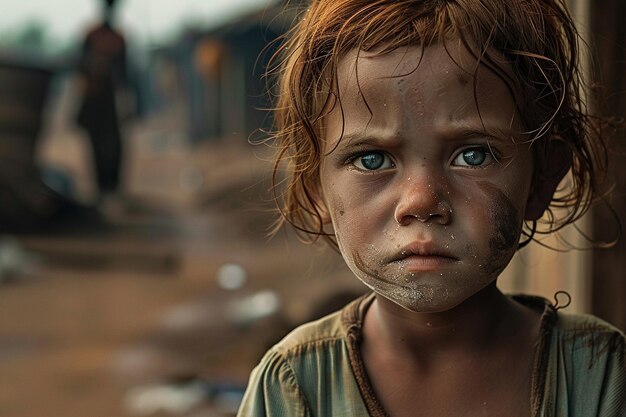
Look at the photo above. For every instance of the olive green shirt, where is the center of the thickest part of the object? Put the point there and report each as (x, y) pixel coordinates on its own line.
(317, 370)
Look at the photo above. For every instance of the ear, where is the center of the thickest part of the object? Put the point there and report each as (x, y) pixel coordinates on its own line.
(551, 165)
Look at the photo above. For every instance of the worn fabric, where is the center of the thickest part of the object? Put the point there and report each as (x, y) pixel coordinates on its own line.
(317, 370)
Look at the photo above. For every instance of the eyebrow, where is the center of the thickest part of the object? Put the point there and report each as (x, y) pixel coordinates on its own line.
(482, 128)
(357, 139)
(490, 133)
(449, 132)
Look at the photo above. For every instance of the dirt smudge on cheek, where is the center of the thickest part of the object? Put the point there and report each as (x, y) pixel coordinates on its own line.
(506, 220)
(505, 225)
(364, 266)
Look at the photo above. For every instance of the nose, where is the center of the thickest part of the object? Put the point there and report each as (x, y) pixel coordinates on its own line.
(422, 201)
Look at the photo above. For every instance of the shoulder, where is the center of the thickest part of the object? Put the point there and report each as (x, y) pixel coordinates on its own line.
(307, 350)
(585, 331)
(281, 367)
(587, 366)
(273, 390)
(331, 329)
(577, 322)
(310, 362)
(326, 329)
(575, 331)
(590, 345)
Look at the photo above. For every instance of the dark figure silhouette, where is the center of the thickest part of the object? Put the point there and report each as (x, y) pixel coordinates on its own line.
(105, 97)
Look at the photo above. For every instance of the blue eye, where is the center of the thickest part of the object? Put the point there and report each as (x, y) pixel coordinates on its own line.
(473, 157)
(372, 161)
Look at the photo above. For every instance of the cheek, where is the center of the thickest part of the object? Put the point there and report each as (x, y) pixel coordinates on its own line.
(354, 212)
(506, 222)
(340, 217)
(338, 207)
(360, 220)
(503, 227)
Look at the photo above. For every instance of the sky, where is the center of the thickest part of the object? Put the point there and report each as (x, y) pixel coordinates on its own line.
(148, 21)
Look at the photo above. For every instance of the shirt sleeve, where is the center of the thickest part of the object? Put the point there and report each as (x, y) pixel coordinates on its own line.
(273, 390)
(613, 398)
(589, 373)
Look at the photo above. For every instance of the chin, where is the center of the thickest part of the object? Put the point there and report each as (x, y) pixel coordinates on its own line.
(422, 304)
(419, 298)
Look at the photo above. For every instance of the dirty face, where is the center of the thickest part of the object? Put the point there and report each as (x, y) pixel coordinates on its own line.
(427, 192)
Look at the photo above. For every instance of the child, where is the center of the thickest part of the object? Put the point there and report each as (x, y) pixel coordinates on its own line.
(424, 138)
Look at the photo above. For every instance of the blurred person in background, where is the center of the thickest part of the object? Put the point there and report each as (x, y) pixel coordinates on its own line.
(106, 101)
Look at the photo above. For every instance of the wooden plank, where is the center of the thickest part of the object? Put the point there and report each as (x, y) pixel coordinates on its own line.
(608, 43)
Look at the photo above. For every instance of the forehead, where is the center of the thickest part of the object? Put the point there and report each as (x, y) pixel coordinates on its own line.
(437, 84)
(403, 62)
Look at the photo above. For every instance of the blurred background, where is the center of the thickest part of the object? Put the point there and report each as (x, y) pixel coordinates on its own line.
(136, 276)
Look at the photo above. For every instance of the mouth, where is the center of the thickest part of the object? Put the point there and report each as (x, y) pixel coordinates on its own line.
(423, 256)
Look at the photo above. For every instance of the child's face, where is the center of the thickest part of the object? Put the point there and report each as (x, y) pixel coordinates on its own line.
(426, 195)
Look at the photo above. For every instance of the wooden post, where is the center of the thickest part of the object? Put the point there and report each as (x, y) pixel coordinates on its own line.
(608, 46)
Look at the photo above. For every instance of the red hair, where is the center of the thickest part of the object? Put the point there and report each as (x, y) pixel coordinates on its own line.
(532, 45)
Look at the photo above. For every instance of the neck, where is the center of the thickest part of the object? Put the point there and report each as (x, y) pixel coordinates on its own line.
(479, 323)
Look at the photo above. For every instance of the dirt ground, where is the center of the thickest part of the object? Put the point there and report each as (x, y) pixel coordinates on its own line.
(97, 313)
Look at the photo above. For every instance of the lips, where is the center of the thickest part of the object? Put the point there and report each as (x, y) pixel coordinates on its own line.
(421, 255)
(423, 248)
